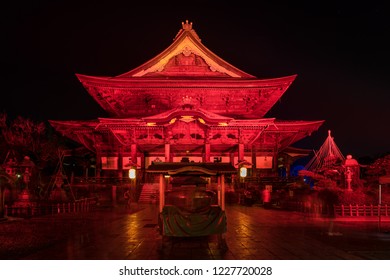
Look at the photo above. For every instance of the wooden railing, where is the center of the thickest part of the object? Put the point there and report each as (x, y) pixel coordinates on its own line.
(81, 205)
(355, 210)
(350, 210)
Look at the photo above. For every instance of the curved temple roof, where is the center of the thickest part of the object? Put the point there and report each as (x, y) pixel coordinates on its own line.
(188, 95)
(186, 72)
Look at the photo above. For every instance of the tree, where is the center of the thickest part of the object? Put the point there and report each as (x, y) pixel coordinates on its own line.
(380, 167)
(25, 137)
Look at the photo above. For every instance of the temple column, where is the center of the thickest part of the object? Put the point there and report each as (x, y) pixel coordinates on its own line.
(162, 193)
(134, 153)
(275, 162)
(276, 155)
(120, 163)
(167, 152)
(206, 145)
(167, 148)
(241, 151)
(288, 166)
(206, 152)
(219, 190)
(231, 155)
(253, 160)
(98, 166)
(223, 192)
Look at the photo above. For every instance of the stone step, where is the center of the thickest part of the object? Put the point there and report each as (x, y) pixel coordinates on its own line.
(149, 194)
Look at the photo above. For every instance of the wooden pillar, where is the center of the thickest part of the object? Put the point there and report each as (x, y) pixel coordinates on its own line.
(162, 193)
(134, 153)
(167, 152)
(241, 148)
(288, 163)
(253, 160)
(231, 155)
(219, 190)
(276, 155)
(241, 151)
(120, 163)
(275, 162)
(143, 163)
(98, 166)
(206, 152)
(223, 192)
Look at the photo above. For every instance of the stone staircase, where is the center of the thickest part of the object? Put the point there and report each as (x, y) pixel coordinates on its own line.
(149, 194)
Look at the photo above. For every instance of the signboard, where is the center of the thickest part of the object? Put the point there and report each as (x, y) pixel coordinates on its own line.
(127, 163)
(190, 159)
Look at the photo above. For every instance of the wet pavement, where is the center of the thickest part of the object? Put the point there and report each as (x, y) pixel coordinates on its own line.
(253, 233)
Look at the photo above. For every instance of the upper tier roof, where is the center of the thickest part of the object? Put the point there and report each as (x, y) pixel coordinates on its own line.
(186, 57)
(186, 73)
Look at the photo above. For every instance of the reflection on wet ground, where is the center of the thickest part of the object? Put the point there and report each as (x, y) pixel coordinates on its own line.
(252, 233)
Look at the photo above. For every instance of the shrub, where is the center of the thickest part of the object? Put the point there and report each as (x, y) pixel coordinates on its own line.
(358, 196)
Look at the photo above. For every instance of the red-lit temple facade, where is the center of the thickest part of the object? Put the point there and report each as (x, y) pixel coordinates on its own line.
(187, 104)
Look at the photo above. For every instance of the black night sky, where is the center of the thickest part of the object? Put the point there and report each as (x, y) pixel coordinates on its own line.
(338, 50)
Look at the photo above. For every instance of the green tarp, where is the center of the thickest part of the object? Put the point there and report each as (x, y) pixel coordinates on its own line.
(175, 221)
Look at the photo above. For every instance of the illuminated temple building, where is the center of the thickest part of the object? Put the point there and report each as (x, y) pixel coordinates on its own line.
(187, 105)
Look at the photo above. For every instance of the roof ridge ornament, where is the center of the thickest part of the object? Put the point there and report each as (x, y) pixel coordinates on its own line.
(186, 26)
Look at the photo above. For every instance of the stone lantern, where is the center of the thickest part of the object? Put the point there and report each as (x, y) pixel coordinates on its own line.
(351, 171)
(26, 167)
(25, 198)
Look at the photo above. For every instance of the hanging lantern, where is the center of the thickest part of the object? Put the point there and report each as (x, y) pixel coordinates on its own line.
(243, 172)
(132, 173)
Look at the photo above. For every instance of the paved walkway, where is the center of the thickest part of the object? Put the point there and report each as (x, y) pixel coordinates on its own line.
(253, 233)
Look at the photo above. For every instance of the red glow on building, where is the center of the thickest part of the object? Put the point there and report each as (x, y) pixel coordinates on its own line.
(187, 103)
